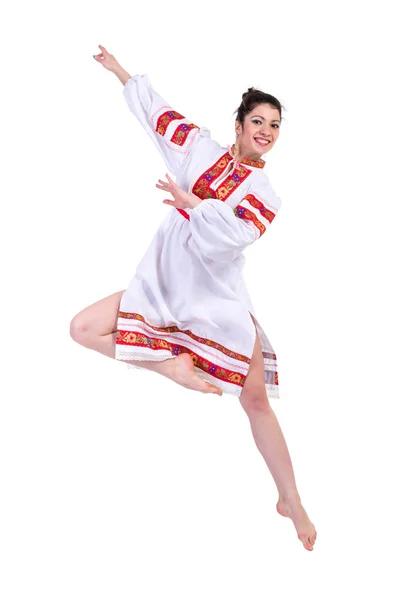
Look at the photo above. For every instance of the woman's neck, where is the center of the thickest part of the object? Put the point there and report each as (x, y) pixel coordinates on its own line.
(240, 156)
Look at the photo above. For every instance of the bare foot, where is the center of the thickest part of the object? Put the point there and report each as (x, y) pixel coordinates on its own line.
(293, 509)
(184, 374)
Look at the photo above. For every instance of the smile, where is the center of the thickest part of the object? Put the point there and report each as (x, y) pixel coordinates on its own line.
(262, 142)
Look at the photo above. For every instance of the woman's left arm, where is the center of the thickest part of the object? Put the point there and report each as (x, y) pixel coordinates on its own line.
(221, 232)
(173, 134)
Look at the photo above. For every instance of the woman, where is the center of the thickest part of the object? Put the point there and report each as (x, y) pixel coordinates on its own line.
(186, 313)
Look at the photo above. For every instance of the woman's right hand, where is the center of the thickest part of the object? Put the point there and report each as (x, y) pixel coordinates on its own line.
(182, 199)
(107, 60)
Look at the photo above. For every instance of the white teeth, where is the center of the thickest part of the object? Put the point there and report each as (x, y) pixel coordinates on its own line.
(262, 143)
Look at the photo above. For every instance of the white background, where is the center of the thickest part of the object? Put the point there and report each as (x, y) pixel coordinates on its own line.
(117, 483)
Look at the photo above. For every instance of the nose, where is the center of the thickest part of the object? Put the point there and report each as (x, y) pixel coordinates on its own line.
(267, 132)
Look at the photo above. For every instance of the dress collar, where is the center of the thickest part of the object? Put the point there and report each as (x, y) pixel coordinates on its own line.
(245, 161)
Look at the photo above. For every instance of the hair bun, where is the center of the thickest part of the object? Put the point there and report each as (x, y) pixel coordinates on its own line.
(252, 98)
(250, 90)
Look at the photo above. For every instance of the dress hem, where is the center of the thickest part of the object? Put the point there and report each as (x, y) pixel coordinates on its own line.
(227, 388)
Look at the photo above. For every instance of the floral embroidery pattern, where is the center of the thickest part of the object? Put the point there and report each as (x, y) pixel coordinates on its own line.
(139, 339)
(165, 119)
(248, 215)
(236, 177)
(253, 163)
(175, 329)
(249, 161)
(202, 187)
(181, 132)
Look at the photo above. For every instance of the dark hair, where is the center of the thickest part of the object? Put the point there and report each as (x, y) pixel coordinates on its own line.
(253, 98)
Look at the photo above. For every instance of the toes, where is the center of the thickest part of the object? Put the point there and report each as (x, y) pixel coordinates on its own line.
(312, 542)
(208, 387)
(308, 544)
(306, 541)
(215, 390)
(313, 537)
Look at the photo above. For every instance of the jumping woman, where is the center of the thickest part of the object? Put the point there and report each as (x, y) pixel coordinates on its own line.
(186, 314)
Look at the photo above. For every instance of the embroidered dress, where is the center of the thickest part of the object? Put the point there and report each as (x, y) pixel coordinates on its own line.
(188, 293)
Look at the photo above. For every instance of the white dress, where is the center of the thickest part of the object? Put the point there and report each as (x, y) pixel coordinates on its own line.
(188, 293)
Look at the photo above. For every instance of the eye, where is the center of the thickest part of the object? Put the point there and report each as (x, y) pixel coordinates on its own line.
(258, 121)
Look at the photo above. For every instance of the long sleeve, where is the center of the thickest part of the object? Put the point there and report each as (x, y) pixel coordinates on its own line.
(221, 232)
(173, 134)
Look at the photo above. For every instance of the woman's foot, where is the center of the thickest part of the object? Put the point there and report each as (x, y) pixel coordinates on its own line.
(293, 509)
(184, 374)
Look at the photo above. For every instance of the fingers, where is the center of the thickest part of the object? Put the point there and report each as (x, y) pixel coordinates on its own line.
(103, 54)
(167, 187)
(162, 185)
(165, 184)
(169, 179)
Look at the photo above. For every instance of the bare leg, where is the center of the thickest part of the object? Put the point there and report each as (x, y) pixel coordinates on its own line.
(271, 443)
(95, 327)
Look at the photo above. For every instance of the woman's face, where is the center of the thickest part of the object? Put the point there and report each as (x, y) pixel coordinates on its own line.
(259, 133)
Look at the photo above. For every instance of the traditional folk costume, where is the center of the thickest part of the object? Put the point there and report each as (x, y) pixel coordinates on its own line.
(188, 293)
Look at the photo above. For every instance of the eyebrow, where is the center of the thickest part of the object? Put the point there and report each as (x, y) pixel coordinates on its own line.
(264, 118)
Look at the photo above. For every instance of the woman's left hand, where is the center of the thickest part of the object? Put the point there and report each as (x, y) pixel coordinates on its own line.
(182, 198)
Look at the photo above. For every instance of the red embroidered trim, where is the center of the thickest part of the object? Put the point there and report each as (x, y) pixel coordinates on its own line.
(140, 340)
(243, 213)
(181, 132)
(165, 119)
(236, 177)
(175, 329)
(202, 187)
(253, 163)
(249, 161)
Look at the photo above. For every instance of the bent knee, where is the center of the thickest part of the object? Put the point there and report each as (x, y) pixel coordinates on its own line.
(79, 328)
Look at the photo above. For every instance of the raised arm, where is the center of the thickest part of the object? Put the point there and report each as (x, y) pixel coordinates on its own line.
(173, 134)
(109, 62)
(122, 75)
